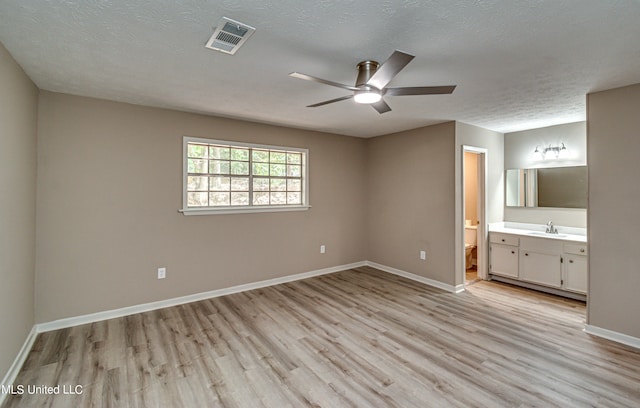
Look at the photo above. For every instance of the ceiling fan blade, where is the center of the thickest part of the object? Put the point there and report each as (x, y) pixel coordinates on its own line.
(389, 69)
(381, 106)
(322, 81)
(420, 90)
(315, 105)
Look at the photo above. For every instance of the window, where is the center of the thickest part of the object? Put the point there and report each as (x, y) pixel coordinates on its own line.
(230, 177)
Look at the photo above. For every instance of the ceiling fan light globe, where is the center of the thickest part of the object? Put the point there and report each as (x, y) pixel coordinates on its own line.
(367, 97)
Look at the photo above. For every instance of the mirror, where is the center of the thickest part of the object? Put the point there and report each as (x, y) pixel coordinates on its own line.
(557, 187)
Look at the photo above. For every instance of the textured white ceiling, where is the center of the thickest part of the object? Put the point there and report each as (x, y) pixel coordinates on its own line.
(518, 64)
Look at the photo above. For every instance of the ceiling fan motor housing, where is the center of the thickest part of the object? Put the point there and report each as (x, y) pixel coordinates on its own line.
(366, 69)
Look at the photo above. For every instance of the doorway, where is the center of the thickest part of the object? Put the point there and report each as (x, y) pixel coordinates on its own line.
(474, 266)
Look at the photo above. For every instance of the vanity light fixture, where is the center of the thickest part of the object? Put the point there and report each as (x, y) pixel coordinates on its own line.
(558, 151)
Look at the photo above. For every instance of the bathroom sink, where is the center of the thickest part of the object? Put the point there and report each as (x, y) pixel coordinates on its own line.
(548, 235)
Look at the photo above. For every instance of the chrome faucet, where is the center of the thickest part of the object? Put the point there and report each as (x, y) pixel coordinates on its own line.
(550, 228)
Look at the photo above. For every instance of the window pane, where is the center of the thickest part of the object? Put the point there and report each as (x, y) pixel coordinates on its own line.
(216, 152)
(239, 198)
(260, 156)
(294, 185)
(218, 167)
(240, 154)
(260, 184)
(239, 184)
(260, 198)
(278, 185)
(197, 183)
(294, 158)
(196, 150)
(218, 199)
(260, 169)
(241, 168)
(278, 157)
(294, 171)
(294, 198)
(196, 166)
(278, 170)
(197, 200)
(219, 183)
(227, 174)
(278, 198)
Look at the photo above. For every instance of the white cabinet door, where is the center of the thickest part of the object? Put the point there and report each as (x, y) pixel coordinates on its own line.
(504, 260)
(576, 273)
(543, 269)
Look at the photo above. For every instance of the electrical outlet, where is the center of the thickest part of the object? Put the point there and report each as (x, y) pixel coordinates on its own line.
(162, 273)
(323, 249)
(423, 255)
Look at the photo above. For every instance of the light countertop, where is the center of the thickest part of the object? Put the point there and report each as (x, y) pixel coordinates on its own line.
(537, 231)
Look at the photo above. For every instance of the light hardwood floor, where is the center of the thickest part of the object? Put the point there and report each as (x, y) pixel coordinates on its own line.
(360, 338)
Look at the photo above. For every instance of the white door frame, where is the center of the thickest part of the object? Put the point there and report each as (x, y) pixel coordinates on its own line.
(482, 250)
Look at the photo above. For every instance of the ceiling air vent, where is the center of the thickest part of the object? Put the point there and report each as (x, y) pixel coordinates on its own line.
(229, 35)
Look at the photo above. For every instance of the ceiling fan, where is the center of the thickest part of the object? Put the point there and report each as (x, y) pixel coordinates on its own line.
(372, 81)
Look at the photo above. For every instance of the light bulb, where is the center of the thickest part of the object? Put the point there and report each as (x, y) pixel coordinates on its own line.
(367, 97)
(538, 154)
(564, 152)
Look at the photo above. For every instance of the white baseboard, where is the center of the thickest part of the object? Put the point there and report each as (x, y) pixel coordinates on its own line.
(146, 307)
(417, 278)
(459, 288)
(612, 335)
(11, 375)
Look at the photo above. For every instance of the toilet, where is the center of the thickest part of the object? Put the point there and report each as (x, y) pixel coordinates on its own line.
(470, 242)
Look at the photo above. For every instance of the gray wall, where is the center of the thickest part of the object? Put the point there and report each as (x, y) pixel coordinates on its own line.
(109, 190)
(411, 201)
(18, 132)
(110, 170)
(613, 138)
(469, 135)
(493, 142)
(518, 153)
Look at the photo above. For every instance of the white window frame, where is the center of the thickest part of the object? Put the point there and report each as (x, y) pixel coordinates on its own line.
(248, 208)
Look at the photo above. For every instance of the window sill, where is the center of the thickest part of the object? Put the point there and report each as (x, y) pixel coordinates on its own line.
(243, 210)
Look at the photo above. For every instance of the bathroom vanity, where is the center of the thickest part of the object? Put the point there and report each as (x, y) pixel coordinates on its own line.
(525, 255)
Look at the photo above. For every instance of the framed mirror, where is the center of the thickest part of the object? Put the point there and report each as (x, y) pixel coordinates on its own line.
(555, 187)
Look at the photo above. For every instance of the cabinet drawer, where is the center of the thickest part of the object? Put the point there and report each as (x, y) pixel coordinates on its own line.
(577, 249)
(504, 239)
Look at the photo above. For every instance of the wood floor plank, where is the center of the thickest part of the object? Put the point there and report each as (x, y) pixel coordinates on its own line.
(357, 338)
